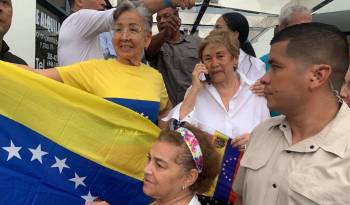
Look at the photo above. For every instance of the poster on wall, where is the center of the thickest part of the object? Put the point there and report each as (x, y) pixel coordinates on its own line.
(46, 38)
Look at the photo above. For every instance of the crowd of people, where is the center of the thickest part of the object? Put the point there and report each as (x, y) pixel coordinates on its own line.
(194, 88)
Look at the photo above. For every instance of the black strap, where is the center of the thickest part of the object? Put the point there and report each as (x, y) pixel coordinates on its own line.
(202, 10)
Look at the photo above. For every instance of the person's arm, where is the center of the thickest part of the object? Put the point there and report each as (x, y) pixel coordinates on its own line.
(162, 114)
(49, 72)
(189, 101)
(90, 22)
(170, 27)
(156, 43)
(258, 88)
(156, 5)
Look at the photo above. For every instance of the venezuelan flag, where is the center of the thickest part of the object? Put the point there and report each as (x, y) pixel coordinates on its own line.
(221, 192)
(60, 145)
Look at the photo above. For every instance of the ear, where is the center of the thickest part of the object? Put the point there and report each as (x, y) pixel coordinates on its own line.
(191, 178)
(319, 75)
(148, 38)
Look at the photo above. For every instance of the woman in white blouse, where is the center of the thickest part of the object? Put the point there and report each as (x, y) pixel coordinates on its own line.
(226, 104)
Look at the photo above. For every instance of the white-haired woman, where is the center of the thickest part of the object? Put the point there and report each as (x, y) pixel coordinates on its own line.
(124, 80)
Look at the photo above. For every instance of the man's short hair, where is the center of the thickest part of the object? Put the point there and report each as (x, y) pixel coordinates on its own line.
(317, 43)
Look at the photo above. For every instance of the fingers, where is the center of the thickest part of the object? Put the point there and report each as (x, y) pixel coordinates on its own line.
(198, 69)
(240, 141)
(258, 88)
(174, 23)
(183, 3)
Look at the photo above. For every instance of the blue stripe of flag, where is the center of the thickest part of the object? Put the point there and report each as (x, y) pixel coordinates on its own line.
(50, 174)
(228, 166)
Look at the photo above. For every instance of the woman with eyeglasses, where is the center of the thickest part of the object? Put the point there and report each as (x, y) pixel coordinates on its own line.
(248, 64)
(124, 80)
(181, 164)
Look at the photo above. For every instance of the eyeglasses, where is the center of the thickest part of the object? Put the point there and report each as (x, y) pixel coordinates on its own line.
(133, 29)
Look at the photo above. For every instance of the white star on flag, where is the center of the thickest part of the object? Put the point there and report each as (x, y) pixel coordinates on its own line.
(78, 180)
(60, 164)
(37, 154)
(88, 198)
(143, 115)
(13, 151)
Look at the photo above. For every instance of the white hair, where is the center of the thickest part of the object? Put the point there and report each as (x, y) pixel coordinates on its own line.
(288, 11)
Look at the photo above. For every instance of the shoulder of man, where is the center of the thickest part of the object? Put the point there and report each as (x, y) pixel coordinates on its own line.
(265, 126)
(193, 38)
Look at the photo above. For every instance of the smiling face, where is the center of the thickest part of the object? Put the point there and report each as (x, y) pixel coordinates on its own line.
(163, 177)
(219, 62)
(130, 37)
(5, 16)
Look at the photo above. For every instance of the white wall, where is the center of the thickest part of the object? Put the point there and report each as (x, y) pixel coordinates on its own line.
(21, 36)
(262, 45)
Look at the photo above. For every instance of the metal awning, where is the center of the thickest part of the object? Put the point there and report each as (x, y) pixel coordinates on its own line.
(261, 14)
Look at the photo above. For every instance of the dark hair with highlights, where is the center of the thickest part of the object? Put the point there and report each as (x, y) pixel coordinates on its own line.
(237, 22)
(211, 158)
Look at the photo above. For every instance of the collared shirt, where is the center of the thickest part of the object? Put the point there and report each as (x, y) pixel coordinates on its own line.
(246, 110)
(176, 61)
(6, 55)
(313, 171)
(250, 66)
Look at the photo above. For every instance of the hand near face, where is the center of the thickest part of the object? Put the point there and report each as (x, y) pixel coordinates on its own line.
(198, 69)
(258, 88)
(183, 3)
(170, 27)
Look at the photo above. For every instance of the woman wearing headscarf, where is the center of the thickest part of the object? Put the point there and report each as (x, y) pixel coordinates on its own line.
(252, 67)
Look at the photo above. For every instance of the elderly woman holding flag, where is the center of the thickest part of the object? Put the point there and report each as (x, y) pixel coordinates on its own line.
(124, 80)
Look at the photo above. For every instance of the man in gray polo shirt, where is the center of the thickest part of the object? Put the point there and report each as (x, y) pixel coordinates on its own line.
(301, 157)
(173, 53)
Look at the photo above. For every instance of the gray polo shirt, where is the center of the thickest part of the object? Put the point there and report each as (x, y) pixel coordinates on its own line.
(313, 171)
(176, 61)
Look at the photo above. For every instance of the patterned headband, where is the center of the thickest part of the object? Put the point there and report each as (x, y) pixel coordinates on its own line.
(192, 144)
